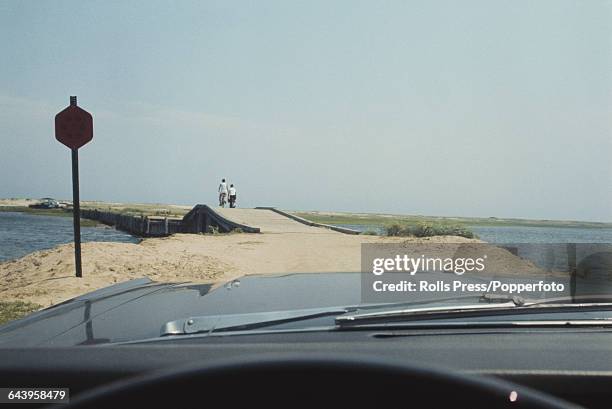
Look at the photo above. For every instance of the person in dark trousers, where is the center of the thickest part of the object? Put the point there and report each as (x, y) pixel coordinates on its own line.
(222, 193)
(232, 196)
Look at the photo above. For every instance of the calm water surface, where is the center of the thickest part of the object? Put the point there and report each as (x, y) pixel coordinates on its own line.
(23, 233)
(545, 246)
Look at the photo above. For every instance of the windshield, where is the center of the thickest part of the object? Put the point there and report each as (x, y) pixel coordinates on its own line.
(179, 169)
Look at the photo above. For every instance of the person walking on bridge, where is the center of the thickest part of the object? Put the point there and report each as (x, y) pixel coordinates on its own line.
(232, 196)
(222, 193)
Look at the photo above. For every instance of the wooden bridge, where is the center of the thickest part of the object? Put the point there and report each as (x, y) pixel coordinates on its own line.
(205, 219)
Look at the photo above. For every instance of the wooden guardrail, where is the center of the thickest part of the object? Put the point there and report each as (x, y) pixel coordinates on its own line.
(344, 230)
(144, 226)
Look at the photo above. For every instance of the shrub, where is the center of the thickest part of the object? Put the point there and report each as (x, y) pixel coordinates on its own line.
(212, 230)
(397, 229)
(12, 310)
(428, 229)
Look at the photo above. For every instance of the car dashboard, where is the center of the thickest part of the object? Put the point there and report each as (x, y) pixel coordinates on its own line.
(572, 364)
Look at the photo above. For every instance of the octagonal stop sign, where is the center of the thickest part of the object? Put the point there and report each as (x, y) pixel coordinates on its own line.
(74, 127)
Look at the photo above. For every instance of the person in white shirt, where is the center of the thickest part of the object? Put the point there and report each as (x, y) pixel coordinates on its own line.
(232, 196)
(222, 193)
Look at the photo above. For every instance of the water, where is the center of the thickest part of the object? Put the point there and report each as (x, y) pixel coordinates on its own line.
(23, 233)
(545, 246)
(365, 227)
(537, 235)
(522, 234)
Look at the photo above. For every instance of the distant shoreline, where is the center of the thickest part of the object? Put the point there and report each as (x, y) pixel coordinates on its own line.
(325, 217)
(385, 219)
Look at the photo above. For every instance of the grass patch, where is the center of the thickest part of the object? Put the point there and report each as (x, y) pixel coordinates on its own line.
(30, 210)
(134, 209)
(429, 230)
(382, 220)
(212, 230)
(89, 223)
(12, 310)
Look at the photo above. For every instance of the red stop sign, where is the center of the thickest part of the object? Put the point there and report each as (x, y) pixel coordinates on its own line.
(74, 127)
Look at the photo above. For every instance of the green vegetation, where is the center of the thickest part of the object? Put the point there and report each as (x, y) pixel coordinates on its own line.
(128, 209)
(47, 212)
(12, 310)
(384, 220)
(138, 209)
(44, 212)
(212, 230)
(429, 229)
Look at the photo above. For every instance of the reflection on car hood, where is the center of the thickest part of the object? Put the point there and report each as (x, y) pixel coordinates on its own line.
(138, 309)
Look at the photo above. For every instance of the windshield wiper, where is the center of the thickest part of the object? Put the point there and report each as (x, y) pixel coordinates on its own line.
(495, 304)
(390, 331)
(594, 299)
(515, 306)
(241, 322)
(249, 321)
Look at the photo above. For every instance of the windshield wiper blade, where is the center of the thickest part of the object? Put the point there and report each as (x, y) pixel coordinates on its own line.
(239, 322)
(425, 313)
(602, 300)
(486, 324)
(484, 298)
(573, 299)
(464, 311)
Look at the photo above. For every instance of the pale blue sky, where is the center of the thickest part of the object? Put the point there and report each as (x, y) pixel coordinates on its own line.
(468, 108)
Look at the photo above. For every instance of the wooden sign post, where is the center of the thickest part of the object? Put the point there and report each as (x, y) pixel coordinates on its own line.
(74, 128)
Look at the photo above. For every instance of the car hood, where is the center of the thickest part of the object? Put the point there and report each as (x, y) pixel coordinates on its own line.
(138, 309)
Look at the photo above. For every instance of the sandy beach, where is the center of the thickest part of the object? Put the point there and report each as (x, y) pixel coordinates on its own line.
(47, 277)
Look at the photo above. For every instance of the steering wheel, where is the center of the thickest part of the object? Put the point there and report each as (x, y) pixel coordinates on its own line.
(316, 381)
